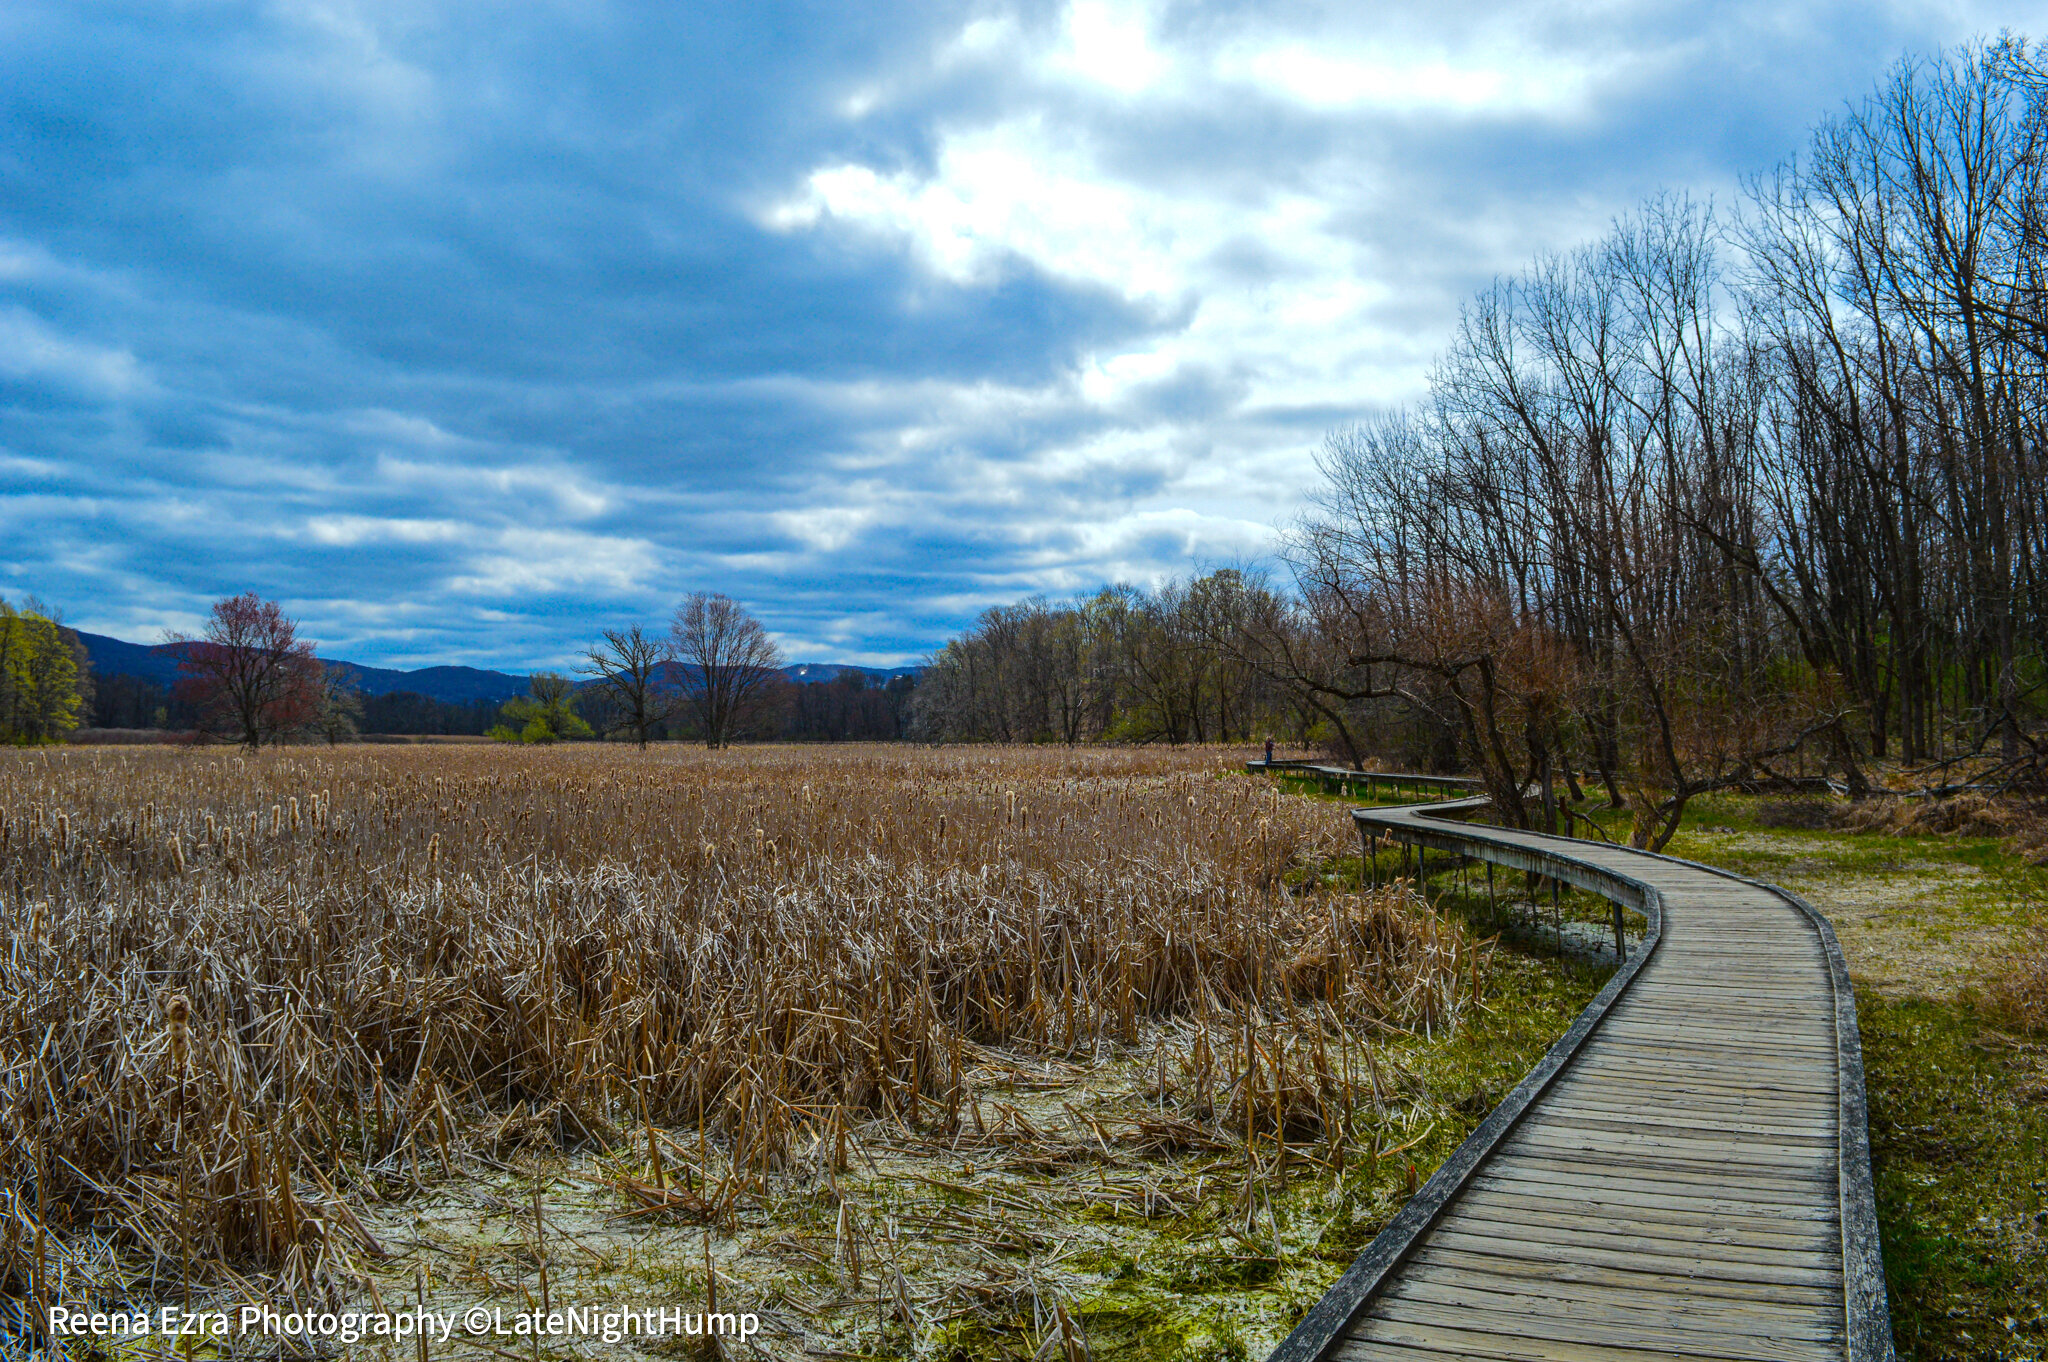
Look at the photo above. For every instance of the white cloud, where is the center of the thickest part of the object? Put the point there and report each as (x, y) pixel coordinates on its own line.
(827, 529)
(1111, 45)
(29, 348)
(510, 486)
(521, 562)
(353, 531)
(1411, 82)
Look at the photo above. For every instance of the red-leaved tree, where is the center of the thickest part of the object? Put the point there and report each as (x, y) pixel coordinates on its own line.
(249, 674)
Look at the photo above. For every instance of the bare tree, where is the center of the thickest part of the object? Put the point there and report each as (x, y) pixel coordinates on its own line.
(636, 674)
(338, 709)
(251, 675)
(730, 662)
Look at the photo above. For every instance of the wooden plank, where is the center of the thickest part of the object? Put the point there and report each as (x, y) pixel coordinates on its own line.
(1653, 1186)
(1736, 1150)
(1623, 1063)
(1649, 1222)
(1629, 1296)
(1451, 1265)
(1695, 1026)
(1815, 1248)
(1747, 1048)
(1703, 1092)
(1672, 1335)
(1669, 1264)
(1608, 1065)
(1616, 1063)
(1729, 1059)
(1479, 1344)
(1757, 1180)
(1737, 1015)
(1727, 1171)
(1563, 1238)
(1789, 1127)
(1676, 1100)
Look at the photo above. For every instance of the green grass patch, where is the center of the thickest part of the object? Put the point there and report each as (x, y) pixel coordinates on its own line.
(1959, 1137)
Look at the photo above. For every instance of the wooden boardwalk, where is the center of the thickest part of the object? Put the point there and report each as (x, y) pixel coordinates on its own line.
(1686, 1173)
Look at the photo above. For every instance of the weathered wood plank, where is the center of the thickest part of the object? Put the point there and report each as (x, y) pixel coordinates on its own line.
(1502, 1348)
(1437, 1260)
(1670, 1334)
(1645, 1221)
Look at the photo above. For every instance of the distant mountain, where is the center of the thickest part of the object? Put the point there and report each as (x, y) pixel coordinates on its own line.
(115, 657)
(451, 685)
(831, 671)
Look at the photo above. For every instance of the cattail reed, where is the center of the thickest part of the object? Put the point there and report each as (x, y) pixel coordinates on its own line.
(477, 948)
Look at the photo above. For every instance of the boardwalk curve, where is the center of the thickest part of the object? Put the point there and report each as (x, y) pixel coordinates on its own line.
(1686, 1173)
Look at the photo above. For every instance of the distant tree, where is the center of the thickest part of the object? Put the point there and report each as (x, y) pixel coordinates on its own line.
(339, 715)
(731, 663)
(546, 714)
(250, 675)
(634, 674)
(45, 680)
(848, 708)
(403, 711)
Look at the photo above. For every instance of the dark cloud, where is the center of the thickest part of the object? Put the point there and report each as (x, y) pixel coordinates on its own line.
(466, 329)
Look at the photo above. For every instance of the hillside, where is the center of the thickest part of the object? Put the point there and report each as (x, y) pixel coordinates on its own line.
(158, 663)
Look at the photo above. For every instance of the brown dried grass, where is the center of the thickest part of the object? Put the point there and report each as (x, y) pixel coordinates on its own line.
(240, 995)
(2020, 824)
(2018, 994)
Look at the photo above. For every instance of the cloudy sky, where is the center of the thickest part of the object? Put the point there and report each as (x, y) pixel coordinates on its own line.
(466, 329)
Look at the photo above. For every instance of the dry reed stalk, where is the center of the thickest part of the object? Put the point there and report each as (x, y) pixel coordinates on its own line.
(2018, 995)
(478, 949)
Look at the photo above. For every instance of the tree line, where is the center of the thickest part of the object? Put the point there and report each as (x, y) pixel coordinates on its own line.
(1124, 664)
(1717, 500)
(248, 676)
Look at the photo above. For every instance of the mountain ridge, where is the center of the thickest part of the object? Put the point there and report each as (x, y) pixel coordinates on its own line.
(449, 684)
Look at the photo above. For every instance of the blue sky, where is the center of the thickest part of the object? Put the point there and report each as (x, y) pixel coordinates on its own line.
(465, 330)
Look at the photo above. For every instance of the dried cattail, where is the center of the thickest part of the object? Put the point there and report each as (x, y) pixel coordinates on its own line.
(745, 995)
(178, 1013)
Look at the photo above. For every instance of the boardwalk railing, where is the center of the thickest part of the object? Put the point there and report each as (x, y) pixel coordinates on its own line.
(1685, 1173)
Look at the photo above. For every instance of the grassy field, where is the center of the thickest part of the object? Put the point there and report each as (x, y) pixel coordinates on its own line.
(958, 1053)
